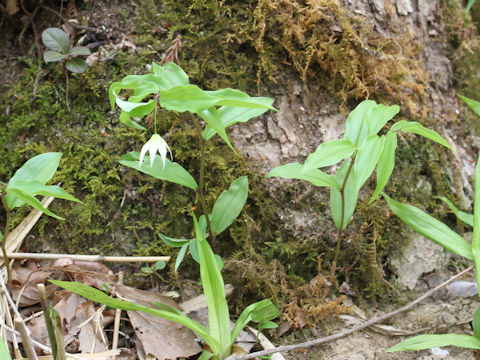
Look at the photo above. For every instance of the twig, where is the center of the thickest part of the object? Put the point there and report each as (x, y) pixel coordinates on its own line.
(92, 258)
(366, 324)
(9, 298)
(26, 340)
(69, 22)
(116, 324)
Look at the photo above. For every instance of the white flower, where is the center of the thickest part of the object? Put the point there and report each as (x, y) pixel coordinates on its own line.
(156, 143)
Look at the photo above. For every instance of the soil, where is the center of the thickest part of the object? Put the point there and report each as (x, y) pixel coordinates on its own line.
(309, 114)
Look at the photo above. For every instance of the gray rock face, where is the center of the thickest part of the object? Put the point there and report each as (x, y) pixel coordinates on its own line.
(419, 257)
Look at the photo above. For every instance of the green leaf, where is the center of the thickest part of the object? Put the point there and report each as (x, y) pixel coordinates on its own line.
(172, 73)
(4, 353)
(76, 65)
(52, 56)
(99, 296)
(423, 342)
(126, 120)
(212, 118)
(314, 176)
(461, 215)
(136, 109)
(194, 250)
(469, 5)
(386, 163)
(56, 40)
(229, 205)
(476, 224)
(474, 105)
(41, 168)
(237, 98)
(214, 291)
(379, 116)
(419, 129)
(356, 128)
(172, 172)
(328, 154)
(173, 242)
(430, 227)
(187, 98)
(350, 195)
(367, 158)
(476, 323)
(205, 355)
(32, 201)
(180, 256)
(79, 51)
(232, 115)
(35, 187)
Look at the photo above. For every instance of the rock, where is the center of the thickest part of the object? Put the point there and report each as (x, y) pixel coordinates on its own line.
(404, 7)
(464, 289)
(419, 257)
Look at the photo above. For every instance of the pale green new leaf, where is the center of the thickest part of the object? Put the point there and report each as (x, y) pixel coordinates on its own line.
(379, 115)
(180, 256)
(423, 342)
(367, 158)
(417, 128)
(187, 98)
(41, 168)
(314, 176)
(328, 154)
(52, 56)
(35, 187)
(93, 294)
(136, 109)
(469, 5)
(430, 227)
(172, 172)
(356, 128)
(474, 105)
(350, 195)
(229, 205)
(214, 291)
(76, 65)
(461, 215)
(232, 115)
(476, 224)
(385, 164)
(32, 201)
(172, 73)
(237, 98)
(56, 39)
(212, 118)
(4, 353)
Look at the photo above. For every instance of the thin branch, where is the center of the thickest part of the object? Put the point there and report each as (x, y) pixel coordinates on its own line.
(116, 324)
(69, 22)
(98, 258)
(366, 324)
(26, 339)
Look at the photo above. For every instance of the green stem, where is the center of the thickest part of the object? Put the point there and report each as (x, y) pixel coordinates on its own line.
(201, 183)
(4, 241)
(65, 72)
(342, 220)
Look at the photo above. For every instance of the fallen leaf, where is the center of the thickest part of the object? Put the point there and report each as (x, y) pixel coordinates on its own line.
(12, 7)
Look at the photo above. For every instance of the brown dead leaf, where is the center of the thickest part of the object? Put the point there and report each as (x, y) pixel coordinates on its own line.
(158, 337)
(25, 279)
(89, 273)
(93, 59)
(12, 7)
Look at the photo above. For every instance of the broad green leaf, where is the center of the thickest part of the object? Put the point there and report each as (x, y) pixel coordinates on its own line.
(173, 242)
(328, 154)
(32, 201)
(229, 205)
(194, 250)
(214, 291)
(52, 56)
(172, 172)
(180, 256)
(4, 353)
(430, 227)
(476, 323)
(367, 158)
(476, 224)
(41, 168)
(79, 50)
(160, 265)
(232, 115)
(386, 162)
(76, 65)
(93, 294)
(419, 129)
(423, 342)
(212, 118)
(356, 128)
(474, 105)
(126, 120)
(35, 187)
(187, 98)
(237, 98)
(205, 355)
(379, 116)
(172, 73)
(267, 325)
(314, 176)
(56, 40)
(461, 215)
(135, 109)
(347, 207)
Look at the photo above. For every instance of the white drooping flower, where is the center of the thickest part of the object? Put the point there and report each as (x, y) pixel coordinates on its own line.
(156, 143)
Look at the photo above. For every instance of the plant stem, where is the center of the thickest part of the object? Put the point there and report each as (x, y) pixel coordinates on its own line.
(65, 73)
(4, 241)
(201, 182)
(342, 220)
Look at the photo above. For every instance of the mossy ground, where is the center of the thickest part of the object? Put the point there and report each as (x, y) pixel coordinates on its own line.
(225, 44)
